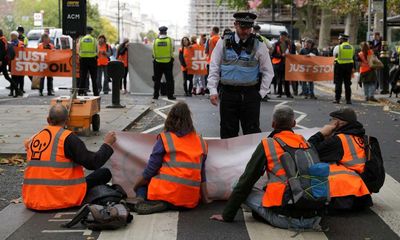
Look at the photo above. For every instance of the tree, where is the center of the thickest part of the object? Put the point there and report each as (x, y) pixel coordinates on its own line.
(24, 10)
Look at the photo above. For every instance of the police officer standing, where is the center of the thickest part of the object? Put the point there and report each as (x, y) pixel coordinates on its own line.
(88, 62)
(236, 63)
(344, 64)
(163, 55)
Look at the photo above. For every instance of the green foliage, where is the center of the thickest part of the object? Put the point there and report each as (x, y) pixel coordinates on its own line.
(24, 10)
(151, 35)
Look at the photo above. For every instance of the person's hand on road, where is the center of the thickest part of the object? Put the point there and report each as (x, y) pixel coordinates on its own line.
(214, 99)
(217, 217)
(110, 138)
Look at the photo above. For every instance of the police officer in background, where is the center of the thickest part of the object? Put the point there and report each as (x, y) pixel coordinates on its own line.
(344, 64)
(236, 63)
(163, 55)
(88, 51)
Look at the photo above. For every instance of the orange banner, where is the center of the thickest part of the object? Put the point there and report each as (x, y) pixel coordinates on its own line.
(42, 62)
(197, 57)
(308, 68)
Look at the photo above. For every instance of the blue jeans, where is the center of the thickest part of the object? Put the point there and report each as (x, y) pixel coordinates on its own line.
(100, 71)
(369, 89)
(307, 88)
(254, 202)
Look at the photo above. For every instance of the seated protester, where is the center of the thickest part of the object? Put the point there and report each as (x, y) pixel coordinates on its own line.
(268, 204)
(341, 143)
(174, 177)
(54, 177)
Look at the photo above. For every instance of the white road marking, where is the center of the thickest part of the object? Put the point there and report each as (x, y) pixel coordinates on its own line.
(153, 128)
(60, 214)
(85, 232)
(147, 227)
(394, 112)
(262, 231)
(282, 103)
(299, 118)
(387, 203)
(60, 220)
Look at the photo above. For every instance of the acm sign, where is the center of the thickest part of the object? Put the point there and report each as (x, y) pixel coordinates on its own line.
(74, 17)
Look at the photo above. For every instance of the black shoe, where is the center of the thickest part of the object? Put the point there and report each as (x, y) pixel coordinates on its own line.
(105, 93)
(336, 102)
(22, 91)
(279, 96)
(384, 92)
(348, 102)
(290, 96)
(172, 98)
(11, 94)
(372, 99)
(50, 94)
(41, 94)
(313, 97)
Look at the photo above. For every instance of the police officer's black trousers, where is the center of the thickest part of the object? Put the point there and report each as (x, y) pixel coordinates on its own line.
(279, 71)
(239, 104)
(159, 70)
(88, 65)
(343, 75)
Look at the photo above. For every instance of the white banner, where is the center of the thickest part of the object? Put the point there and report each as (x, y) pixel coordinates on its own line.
(226, 160)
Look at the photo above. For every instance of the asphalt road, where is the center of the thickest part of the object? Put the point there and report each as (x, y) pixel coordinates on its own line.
(380, 222)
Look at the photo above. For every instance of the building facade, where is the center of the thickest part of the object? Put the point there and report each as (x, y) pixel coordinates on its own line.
(205, 14)
(130, 24)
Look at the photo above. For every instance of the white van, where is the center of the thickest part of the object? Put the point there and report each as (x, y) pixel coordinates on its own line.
(60, 41)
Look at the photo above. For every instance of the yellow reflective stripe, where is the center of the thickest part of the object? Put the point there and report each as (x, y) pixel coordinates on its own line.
(355, 159)
(274, 156)
(55, 145)
(172, 152)
(54, 182)
(179, 180)
(41, 163)
(343, 172)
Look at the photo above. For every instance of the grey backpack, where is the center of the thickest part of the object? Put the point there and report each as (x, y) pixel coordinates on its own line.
(97, 217)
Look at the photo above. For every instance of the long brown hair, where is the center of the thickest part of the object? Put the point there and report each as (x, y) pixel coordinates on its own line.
(364, 49)
(179, 119)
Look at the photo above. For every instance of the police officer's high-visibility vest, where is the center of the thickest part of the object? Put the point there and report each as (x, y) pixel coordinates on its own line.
(163, 50)
(51, 180)
(87, 47)
(239, 69)
(398, 50)
(179, 178)
(346, 53)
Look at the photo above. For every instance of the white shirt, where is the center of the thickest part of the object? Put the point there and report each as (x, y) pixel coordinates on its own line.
(262, 55)
(336, 51)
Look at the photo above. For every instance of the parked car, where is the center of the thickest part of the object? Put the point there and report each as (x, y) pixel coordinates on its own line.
(60, 41)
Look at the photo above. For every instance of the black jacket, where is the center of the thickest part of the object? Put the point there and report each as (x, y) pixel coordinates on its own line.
(330, 149)
(76, 150)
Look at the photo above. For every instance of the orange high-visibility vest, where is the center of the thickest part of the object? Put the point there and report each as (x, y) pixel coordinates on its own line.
(353, 152)
(41, 46)
(364, 66)
(277, 180)
(211, 45)
(101, 59)
(124, 58)
(277, 60)
(345, 182)
(51, 180)
(4, 40)
(178, 181)
(182, 67)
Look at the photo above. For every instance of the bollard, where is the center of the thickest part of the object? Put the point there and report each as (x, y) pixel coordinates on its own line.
(116, 71)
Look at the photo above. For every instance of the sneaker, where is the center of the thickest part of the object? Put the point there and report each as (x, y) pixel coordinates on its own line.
(149, 207)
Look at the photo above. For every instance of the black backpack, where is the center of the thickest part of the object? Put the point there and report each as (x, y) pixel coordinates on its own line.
(103, 194)
(374, 171)
(98, 217)
(307, 191)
